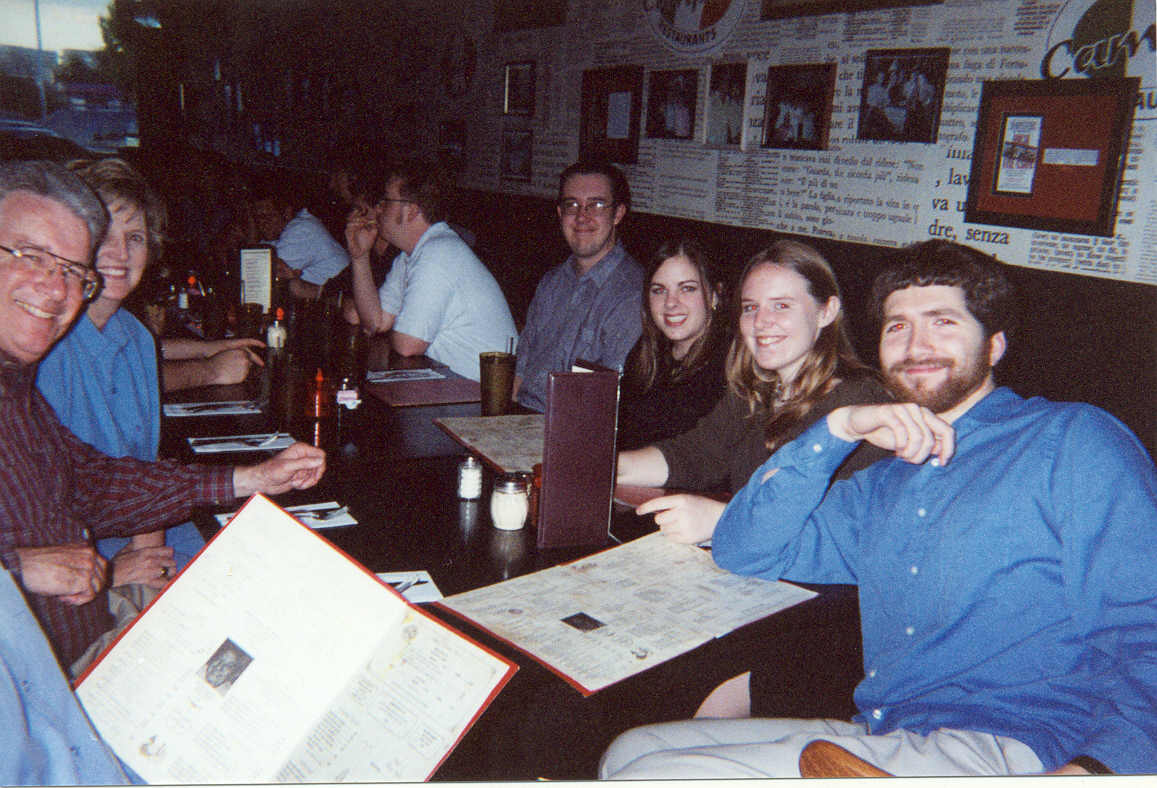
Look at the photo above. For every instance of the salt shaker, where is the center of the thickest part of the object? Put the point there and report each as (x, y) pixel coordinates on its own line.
(509, 502)
(470, 479)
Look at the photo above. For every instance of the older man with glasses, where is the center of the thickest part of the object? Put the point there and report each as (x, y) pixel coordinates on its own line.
(57, 494)
(590, 307)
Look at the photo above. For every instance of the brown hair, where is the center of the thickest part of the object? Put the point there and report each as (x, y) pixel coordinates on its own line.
(115, 180)
(828, 361)
(652, 360)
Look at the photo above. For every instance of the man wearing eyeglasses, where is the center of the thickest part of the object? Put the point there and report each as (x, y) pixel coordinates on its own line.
(590, 307)
(57, 494)
(438, 299)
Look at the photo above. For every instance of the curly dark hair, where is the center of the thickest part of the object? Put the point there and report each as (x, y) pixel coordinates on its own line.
(988, 294)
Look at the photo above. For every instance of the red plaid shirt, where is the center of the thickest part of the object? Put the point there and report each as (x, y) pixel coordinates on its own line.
(56, 489)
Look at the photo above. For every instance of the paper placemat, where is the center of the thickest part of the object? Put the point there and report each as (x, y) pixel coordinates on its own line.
(400, 375)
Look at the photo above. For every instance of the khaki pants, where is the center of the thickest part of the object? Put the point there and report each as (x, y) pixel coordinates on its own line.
(125, 603)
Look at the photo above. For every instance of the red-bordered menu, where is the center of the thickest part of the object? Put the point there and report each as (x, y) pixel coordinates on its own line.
(276, 657)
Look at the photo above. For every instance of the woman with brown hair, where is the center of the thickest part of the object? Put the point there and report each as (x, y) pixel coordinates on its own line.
(674, 374)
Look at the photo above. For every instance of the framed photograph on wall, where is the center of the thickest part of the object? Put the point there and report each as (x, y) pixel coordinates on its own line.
(726, 92)
(1040, 142)
(902, 93)
(671, 100)
(612, 100)
(798, 106)
(518, 96)
(517, 147)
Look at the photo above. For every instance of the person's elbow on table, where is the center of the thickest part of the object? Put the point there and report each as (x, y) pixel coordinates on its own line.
(296, 468)
(406, 345)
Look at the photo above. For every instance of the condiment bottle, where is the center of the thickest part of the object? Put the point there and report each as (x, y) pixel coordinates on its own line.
(276, 334)
(509, 502)
(321, 399)
(470, 479)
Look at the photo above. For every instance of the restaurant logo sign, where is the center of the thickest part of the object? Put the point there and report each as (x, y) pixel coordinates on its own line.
(693, 27)
(1106, 38)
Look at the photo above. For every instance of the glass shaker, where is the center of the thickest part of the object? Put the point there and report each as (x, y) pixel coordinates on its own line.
(509, 502)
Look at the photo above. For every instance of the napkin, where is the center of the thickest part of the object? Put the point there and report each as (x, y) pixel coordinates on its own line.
(225, 443)
(422, 588)
(399, 375)
(317, 525)
(231, 408)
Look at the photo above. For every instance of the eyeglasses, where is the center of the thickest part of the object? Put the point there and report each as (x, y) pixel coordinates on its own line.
(596, 207)
(45, 262)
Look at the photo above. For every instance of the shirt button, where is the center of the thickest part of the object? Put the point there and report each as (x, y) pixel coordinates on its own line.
(877, 714)
(921, 512)
(817, 448)
(909, 630)
(935, 462)
(872, 673)
(914, 570)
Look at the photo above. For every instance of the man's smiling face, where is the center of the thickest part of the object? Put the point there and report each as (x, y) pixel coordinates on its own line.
(37, 306)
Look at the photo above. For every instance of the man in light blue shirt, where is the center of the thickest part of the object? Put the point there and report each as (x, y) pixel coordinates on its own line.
(307, 255)
(438, 300)
(590, 307)
(45, 737)
(1004, 560)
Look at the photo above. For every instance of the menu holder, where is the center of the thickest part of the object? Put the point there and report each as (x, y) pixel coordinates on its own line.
(306, 668)
(578, 456)
(257, 276)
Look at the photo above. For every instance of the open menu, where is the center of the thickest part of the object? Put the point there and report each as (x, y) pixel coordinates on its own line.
(276, 657)
(611, 615)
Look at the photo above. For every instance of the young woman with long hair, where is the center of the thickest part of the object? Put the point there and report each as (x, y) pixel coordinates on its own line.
(674, 374)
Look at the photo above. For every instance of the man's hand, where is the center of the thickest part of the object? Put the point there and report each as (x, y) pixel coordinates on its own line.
(684, 518)
(295, 468)
(74, 573)
(361, 230)
(913, 432)
(149, 565)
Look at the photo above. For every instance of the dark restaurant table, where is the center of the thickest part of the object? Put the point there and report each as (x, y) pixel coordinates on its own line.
(397, 472)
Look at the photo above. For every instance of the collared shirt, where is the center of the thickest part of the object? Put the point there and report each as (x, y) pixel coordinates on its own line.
(56, 490)
(1011, 591)
(596, 317)
(45, 737)
(306, 246)
(442, 294)
(103, 384)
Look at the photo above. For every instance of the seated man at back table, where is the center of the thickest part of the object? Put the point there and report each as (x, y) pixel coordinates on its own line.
(307, 255)
(57, 493)
(589, 307)
(1004, 560)
(438, 298)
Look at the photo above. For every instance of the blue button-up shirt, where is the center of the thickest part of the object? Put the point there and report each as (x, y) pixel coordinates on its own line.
(1012, 591)
(45, 738)
(595, 317)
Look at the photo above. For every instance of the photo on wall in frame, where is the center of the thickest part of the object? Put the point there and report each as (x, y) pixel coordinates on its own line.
(518, 98)
(671, 100)
(612, 100)
(725, 94)
(517, 147)
(1040, 142)
(798, 106)
(902, 93)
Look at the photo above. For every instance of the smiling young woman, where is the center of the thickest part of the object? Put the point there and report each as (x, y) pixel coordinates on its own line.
(674, 374)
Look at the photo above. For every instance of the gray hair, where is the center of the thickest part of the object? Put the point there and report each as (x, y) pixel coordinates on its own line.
(55, 182)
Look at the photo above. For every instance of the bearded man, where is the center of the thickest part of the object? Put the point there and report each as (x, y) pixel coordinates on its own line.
(1004, 560)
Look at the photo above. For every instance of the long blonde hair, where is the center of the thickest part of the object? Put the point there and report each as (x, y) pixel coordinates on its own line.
(783, 404)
